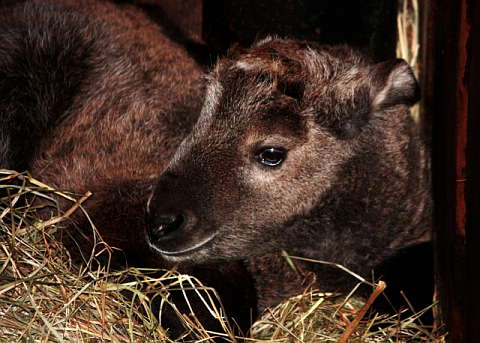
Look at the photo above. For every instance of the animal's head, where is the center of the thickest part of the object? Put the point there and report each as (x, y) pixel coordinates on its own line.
(278, 123)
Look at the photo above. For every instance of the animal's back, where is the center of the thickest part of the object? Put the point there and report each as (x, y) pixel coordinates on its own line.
(97, 97)
(102, 98)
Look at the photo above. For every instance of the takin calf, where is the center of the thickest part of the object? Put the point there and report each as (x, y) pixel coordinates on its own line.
(298, 147)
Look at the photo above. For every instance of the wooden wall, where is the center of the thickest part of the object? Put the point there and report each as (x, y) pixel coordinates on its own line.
(370, 24)
(452, 106)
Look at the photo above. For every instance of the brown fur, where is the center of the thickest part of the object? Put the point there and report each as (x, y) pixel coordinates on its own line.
(96, 97)
(136, 96)
(353, 187)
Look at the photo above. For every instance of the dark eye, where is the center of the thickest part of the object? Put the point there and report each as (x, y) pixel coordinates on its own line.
(271, 156)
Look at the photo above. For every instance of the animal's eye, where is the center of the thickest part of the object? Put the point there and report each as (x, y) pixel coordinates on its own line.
(271, 156)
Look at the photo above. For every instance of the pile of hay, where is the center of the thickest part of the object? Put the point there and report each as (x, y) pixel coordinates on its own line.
(44, 297)
(317, 317)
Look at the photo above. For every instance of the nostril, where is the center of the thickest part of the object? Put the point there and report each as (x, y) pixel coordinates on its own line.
(162, 225)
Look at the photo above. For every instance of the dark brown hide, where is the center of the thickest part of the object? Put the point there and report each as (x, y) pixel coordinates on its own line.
(345, 178)
(95, 97)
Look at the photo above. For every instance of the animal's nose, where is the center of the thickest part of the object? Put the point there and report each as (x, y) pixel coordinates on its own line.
(160, 225)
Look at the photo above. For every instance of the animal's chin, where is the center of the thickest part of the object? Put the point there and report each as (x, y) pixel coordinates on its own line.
(183, 253)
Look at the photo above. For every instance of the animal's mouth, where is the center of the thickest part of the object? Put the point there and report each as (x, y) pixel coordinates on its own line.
(187, 250)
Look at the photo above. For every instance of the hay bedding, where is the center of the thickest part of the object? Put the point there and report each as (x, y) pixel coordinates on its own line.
(44, 297)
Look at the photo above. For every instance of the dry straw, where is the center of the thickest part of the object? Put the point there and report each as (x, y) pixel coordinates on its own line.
(44, 297)
(408, 42)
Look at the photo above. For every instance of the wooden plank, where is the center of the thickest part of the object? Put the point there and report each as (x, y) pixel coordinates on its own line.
(449, 60)
(472, 225)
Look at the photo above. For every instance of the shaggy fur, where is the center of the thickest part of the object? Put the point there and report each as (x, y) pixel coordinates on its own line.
(353, 186)
(95, 97)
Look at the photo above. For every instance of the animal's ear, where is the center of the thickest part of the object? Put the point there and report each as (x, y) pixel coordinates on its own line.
(397, 84)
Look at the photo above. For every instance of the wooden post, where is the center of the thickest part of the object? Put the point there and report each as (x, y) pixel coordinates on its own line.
(451, 101)
(472, 225)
